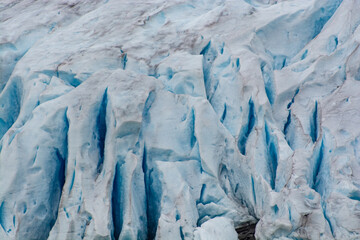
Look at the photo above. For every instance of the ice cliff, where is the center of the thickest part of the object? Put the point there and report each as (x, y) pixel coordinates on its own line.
(179, 119)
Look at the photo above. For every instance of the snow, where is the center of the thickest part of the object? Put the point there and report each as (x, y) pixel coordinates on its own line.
(179, 119)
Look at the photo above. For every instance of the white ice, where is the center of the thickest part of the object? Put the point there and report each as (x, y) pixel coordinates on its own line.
(179, 119)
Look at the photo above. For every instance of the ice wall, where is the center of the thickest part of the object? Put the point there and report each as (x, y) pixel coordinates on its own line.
(179, 119)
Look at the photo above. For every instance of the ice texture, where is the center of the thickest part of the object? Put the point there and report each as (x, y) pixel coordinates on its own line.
(179, 119)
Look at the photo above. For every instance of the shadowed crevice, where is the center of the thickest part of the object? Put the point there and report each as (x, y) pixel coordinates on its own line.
(314, 123)
(246, 130)
(115, 200)
(101, 131)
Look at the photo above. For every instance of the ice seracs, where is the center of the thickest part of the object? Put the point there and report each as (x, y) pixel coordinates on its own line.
(180, 119)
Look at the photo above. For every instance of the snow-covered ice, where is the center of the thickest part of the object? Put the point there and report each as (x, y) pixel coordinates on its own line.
(179, 119)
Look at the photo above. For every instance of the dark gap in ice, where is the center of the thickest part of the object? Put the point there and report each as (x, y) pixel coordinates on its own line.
(275, 208)
(236, 188)
(354, 195)
(272, 156)
(304, 55)
(124, 61)
(201, 198)
(293, 98)
(223, 116)
(153, 191)
(290, 214)
(192, 129)
(144, 169)
(314, 123)
(149, 101)
(101, 131)
(253, 189)
(317, 165)
(115, 203)
(238, 66)
(287, 123)
(72, 182)
(2, 224)
(177, 216)
(181, 233)
(246, 130)
(323, 205)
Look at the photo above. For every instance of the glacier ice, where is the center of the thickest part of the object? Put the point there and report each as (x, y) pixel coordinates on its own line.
(179, 119)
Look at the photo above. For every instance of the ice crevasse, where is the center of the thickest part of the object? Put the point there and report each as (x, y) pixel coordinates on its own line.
(179, 119)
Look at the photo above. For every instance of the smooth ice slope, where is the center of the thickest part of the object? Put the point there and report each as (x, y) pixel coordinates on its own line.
(179, 119)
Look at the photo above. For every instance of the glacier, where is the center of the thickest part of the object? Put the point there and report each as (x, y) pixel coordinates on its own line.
(182, 119)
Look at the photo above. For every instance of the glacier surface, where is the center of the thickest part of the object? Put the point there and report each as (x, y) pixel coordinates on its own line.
(179, 119)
